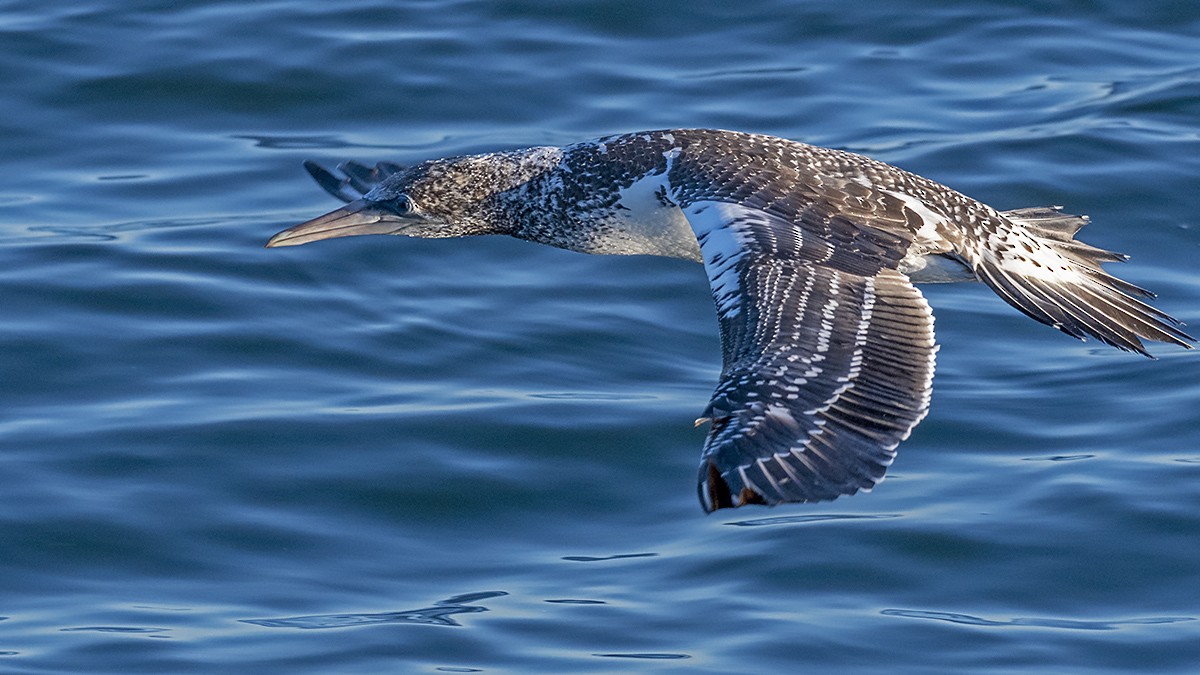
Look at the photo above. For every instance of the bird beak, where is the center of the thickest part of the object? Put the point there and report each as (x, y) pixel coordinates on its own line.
(357, 217)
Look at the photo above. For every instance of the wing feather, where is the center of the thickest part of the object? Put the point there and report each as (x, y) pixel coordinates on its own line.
(356, 179)
(826, 368)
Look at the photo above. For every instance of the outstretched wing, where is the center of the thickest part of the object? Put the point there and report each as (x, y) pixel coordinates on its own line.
(828, 352)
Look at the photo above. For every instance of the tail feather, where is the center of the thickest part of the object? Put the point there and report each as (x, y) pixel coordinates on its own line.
(1049, 221)
(1052, 278)
(1088, 254)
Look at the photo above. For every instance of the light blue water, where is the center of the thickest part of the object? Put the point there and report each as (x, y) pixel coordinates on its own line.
(394, 455)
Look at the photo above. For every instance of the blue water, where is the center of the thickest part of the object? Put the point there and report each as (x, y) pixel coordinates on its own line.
(395, 455)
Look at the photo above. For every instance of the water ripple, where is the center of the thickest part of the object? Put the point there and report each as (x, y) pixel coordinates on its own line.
(592, 396)
(1066, 624)
(437, 615)
(618, 556)
(645, 655)
(327, 142)
(812, 518)
(137, 630)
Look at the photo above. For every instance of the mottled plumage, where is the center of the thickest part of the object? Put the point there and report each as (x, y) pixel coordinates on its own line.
(811, 255)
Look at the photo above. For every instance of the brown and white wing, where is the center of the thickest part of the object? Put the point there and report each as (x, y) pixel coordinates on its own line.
(828, 354)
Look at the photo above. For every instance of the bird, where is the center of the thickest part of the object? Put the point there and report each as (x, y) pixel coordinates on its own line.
(812, 256)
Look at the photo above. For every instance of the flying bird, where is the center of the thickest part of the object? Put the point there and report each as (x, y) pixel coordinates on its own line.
(811, 254)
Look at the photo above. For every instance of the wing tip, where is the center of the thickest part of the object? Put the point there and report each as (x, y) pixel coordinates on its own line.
(715, 492)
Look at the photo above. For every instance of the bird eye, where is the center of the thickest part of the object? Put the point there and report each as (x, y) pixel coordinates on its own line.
(401, 205)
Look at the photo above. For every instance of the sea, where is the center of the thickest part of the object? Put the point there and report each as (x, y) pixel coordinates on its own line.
(395, 455)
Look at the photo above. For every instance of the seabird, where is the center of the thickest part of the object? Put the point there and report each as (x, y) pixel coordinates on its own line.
(812, 255)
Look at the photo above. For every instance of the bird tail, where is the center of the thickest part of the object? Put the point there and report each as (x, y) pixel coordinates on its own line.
(1038, 267)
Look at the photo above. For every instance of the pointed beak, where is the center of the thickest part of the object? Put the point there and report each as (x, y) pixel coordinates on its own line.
(356, 218)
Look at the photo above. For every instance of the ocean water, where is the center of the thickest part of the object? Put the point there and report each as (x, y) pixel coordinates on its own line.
(394, 455)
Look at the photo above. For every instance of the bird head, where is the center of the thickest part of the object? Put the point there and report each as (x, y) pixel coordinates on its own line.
(455, 197)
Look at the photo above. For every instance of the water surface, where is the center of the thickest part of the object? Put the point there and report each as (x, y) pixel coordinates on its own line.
(394, 455)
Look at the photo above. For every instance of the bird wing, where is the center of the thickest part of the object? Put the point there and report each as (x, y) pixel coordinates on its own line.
(828, 351)
(356, 179)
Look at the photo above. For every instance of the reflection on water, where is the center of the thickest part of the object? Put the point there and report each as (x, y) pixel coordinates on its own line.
(650, 656)
(437, 615)
(813, 518)
(1066, 624)
(618, 556)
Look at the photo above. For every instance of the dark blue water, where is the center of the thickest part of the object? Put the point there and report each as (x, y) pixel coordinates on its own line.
(395, 455)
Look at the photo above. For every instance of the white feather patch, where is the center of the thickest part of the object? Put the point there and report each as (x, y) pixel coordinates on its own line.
(716, 226)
